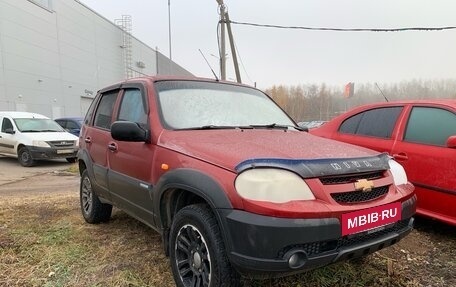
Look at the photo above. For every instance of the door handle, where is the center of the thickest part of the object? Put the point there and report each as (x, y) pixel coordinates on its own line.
(400, 156)
(88, 140)
(112, 147)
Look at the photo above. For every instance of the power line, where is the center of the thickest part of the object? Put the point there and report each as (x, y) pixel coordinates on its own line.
(345, 29)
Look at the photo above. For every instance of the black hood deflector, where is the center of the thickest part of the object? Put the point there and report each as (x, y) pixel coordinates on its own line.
(310, 168)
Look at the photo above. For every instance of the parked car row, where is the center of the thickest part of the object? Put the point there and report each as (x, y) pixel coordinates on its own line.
(420, 135)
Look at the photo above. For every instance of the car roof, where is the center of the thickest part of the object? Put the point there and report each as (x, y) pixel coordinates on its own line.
(70, 118)
(170, 78)
(22, 115)
(449, 102)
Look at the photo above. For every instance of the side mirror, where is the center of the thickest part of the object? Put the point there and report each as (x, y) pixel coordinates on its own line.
(10, 131)
(451, 142)
(128, 132)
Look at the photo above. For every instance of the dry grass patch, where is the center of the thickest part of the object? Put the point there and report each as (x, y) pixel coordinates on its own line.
(44, 241)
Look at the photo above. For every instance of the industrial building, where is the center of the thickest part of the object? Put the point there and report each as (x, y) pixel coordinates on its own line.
(55, 55)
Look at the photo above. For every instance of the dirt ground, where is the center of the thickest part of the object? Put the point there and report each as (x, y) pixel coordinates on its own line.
(426, 257)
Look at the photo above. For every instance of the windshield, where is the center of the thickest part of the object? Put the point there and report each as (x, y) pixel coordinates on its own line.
(37, 125)
(191, 104)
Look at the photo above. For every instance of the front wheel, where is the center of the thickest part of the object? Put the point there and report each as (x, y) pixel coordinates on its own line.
(92, 209)
(24, 156)
(197, 252)
(71, 159)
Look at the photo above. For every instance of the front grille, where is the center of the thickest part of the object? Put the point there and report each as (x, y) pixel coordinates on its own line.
(60, 144)
(360, 196)
(349, 178)
(315, 248)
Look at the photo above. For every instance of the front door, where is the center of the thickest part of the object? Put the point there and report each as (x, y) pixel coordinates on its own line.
(429, 163)
(130, 163)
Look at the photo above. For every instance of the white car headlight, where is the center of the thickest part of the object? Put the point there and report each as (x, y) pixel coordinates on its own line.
(272, 185)
(398, 172)
(40, 144)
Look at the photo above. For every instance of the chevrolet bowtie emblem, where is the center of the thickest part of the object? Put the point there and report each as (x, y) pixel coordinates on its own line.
(364, 185)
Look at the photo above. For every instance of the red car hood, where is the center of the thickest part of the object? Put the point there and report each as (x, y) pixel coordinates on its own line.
(228, 148)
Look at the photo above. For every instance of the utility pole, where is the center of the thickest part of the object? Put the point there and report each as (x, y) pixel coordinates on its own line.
(233, 49)
(169, 29)
(225, 20)
(222, 40)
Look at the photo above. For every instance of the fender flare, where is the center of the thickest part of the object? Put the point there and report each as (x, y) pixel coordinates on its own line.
(193, 181)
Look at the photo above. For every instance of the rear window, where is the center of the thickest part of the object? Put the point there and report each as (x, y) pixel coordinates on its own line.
(375, 123)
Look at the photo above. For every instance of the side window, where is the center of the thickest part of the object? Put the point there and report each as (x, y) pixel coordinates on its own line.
(62, 123)
(89, 114)
(430, 126)
(71, 125)
(6, 124)
(132, 107)
(103, 115)
(375, 123)
(350, 125)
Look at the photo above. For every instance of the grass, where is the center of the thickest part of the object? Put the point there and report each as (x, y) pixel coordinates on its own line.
(45, 242)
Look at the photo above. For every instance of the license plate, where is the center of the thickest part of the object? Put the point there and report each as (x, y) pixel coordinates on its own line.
(60, 151)
(371, 218)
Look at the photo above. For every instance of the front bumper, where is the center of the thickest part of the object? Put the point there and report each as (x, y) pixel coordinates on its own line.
(261, 245)
(52, 153)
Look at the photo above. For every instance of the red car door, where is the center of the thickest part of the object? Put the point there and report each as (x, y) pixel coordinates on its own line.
(96, 137)
(130, 163)
(429, 163)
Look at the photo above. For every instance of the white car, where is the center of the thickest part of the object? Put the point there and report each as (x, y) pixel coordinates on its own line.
(31, 137)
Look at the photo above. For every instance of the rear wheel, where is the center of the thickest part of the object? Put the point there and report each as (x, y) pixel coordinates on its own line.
(197, 253)
(24, 157)
(92, 209)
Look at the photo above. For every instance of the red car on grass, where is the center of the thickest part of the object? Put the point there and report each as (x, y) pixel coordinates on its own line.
(232, 184)
(420, 135)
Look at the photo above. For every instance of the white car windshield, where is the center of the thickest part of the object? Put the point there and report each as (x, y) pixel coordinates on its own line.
(37, 125)
(193, 104)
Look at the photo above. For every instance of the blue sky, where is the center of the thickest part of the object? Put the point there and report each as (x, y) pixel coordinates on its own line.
(275, 56)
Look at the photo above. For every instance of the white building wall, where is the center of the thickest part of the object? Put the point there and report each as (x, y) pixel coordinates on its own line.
(52, 61)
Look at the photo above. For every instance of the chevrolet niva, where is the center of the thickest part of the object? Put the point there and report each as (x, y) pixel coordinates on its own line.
(232, 184)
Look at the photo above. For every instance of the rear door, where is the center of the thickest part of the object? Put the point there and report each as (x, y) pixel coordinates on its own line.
(374, 128)
(429, 163)
(131, 162)
(97, 137)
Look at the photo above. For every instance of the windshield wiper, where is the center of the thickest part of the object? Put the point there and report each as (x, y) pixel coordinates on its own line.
(276, 126)
(30, 131)
(50, 131)
(210, 127)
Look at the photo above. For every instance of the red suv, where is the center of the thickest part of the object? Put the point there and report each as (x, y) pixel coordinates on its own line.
(420, 135)
(232, 184)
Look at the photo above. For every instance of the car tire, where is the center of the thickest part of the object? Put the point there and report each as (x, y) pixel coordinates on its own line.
(71, 159)
(197, 252)
(93, 210)
(24, 156)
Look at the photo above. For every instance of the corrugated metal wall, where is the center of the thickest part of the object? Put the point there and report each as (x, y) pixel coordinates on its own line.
(54, 58)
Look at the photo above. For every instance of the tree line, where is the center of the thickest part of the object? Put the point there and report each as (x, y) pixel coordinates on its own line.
(309, 102)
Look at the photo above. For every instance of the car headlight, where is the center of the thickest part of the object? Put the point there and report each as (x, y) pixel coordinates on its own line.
(398, 172)
(76, 143)
(272, 185)
(40, 144)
